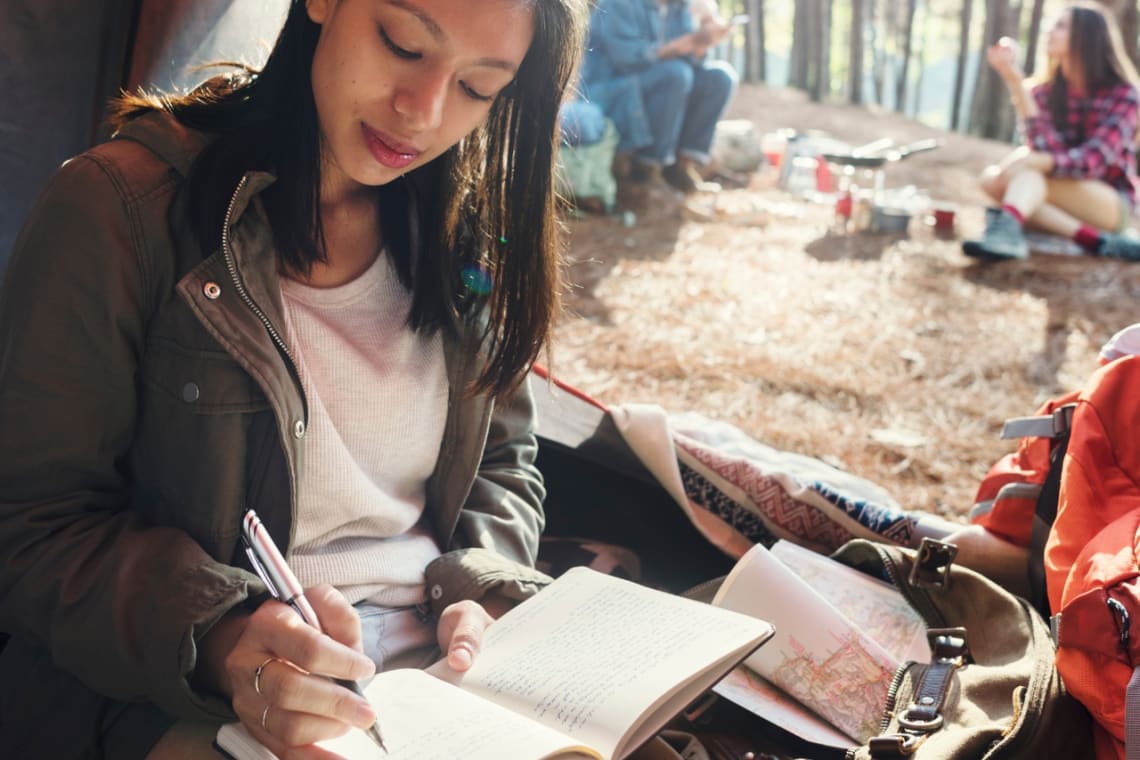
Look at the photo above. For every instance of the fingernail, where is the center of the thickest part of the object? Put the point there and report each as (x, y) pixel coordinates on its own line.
(366, 667)
(365, 717)
(459, 658)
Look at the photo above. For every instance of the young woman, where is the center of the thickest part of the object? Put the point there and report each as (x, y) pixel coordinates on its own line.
(314, 291)
(1075, 176)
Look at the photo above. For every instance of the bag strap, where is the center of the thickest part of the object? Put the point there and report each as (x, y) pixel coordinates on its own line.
(923, 716)
(1060, 424)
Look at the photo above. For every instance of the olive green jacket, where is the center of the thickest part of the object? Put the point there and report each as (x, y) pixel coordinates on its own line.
(147, 400)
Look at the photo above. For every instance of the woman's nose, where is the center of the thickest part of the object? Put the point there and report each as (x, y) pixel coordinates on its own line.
(420, 100)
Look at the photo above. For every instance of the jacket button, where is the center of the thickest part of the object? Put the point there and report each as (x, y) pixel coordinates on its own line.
(299, 429)
(437, 591)
(212, 290)
(190, 393)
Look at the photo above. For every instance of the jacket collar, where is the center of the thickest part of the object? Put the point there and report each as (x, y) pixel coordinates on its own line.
(166, 137)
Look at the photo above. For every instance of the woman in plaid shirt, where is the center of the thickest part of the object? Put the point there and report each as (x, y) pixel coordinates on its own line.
(1075, 175)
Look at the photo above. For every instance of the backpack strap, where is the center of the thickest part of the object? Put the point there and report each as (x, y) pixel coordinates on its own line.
(1057, 426)
(1053, 425)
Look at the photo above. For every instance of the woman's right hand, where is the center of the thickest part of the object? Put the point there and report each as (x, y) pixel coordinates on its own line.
(287, 707)
(1003, 55)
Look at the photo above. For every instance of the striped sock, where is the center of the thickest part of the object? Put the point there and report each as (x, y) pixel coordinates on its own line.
(1088, 237)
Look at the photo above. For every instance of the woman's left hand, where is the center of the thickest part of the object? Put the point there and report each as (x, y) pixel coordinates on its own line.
(461, 627)
(460, 633)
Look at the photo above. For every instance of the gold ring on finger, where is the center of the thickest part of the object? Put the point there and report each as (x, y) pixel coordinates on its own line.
(257, 674)
(264, 715)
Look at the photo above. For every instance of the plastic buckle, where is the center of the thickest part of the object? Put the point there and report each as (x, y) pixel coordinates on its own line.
(1054, 425)
(932, 563)
(1063, 420)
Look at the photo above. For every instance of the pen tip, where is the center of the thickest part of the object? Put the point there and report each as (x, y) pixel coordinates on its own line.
(378, 738)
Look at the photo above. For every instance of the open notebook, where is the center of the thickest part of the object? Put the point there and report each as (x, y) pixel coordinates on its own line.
(591, 666)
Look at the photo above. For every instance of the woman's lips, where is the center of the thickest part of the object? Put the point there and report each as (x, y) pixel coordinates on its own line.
(387, 151)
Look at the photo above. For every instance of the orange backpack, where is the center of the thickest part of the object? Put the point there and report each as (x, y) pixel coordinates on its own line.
(1091, 557)
(1071, 492)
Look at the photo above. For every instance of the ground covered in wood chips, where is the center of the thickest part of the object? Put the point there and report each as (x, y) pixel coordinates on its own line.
(893, 357)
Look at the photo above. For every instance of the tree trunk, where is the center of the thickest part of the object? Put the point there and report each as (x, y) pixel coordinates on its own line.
(991, 114)
(920, 63)
(963, 57)
(821, 50)
(855, 54)
(1034, 36)
(878, 56)
(801, 46)
(908, 34)
(754, 52)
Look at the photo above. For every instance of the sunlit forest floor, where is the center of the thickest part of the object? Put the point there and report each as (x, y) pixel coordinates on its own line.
(894, 357)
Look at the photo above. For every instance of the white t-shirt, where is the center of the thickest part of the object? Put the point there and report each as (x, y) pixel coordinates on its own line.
(377, 394)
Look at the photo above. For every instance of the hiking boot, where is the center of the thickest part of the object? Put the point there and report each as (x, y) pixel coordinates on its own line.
(1121, 247)
(649, 178)
(622, 166)
(1003, 239)
(683, 175)
(643, 173)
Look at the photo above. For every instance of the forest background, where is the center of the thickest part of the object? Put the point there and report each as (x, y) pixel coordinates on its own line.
(920, 58)
(893, 357)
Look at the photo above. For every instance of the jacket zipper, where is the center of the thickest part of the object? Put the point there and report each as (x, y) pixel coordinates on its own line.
(275, 336)
(239, 286)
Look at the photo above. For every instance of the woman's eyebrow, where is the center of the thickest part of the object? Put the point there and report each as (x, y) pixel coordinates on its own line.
(436, 31)
(432, 27)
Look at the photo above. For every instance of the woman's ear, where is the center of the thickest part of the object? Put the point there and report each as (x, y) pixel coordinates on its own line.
(318, 10)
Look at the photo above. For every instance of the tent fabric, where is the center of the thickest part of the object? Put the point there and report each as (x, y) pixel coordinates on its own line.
(62, 61)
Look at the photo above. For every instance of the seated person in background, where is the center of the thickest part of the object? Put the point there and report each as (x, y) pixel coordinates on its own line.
(589, 141)
(1076, 174)
(645, 66)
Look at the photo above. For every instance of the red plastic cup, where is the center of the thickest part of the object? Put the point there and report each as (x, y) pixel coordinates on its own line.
(944, 219)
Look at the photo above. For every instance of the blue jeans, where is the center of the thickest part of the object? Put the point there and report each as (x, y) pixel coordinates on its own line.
(683, 102)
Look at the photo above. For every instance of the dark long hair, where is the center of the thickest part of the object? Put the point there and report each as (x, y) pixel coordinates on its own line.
(484, 244)
(1096, 51)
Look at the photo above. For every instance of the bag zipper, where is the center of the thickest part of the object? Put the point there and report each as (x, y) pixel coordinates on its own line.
(920, 602)
(889, 705)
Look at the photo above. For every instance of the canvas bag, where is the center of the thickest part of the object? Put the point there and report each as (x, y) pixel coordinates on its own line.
(992, 690)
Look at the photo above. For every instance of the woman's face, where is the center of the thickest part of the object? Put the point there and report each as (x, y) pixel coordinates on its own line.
(398, 82)
(1057, 41)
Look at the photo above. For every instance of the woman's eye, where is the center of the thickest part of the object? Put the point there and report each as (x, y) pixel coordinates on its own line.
(398, 51)
(471, 93)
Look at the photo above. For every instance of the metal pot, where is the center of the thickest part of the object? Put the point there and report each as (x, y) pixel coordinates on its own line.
(889, 220)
